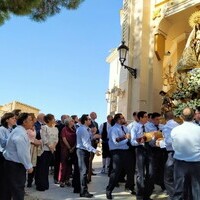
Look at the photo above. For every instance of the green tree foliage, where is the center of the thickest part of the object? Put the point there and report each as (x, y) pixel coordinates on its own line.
(38, 10)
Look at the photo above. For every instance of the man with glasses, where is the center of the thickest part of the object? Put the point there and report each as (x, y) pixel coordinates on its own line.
(121, 156)
(84, 148)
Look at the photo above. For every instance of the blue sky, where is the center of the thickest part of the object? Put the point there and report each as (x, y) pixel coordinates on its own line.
(59, 65)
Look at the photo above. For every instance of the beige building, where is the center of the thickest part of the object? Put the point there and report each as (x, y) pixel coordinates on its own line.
(18, 105)
(156, 32)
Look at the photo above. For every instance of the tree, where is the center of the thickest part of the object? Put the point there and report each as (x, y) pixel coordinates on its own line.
(38, 10)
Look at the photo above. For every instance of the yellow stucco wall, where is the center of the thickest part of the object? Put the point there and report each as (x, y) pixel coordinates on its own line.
(18, 105)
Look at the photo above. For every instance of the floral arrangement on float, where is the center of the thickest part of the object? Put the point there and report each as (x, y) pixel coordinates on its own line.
(185, 92)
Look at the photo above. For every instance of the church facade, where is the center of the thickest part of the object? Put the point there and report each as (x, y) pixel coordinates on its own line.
(156, 32)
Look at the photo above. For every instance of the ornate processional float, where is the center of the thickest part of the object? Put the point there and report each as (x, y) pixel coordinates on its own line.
(185, 84)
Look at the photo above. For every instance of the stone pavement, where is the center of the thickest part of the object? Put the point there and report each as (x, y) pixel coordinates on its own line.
(96, 187)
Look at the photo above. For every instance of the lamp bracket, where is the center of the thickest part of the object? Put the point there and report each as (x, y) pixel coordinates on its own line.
(133, 71)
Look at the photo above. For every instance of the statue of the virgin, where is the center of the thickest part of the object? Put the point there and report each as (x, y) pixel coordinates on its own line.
(191, 54)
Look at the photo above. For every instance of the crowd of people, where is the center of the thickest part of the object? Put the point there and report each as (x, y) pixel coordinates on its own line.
(143, 153)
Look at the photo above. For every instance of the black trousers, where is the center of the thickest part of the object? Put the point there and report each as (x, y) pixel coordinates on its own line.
(159, 157)
(144, 172)
(42, 171)
(83, 163)
(121, 160)
(30, 177)
(169, 175)
(105, 150)
(57, 161)
(76, 174)
(2, 175)
(132, 162)
(186, 178)
(15, 174)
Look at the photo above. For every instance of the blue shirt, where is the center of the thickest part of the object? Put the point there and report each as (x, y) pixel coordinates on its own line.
(117, 132)
(149, 127)
(136, 132)
(167, 128)
(186, 142)
(18, 147)
(131, 125)
(83, 138)
(4, 132)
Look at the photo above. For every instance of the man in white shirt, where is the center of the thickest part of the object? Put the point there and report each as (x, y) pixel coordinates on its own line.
(186, 145)
(167, 143)
(17, 157)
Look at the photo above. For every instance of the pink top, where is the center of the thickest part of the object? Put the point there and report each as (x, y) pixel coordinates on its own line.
(31, 135)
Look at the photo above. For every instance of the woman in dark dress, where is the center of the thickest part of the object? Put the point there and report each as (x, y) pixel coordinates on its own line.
(68, 155)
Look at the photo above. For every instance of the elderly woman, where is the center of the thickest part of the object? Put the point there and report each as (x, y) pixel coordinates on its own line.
(68, 144)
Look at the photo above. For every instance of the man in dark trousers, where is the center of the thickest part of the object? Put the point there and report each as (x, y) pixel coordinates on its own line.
(158, 155)
(167, 143)
(144, 172)
(118, 139)
(186, 145)
(84, 148)
(104, 129)
(17, 157)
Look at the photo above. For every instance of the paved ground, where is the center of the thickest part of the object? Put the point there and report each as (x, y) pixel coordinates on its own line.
(96, 187)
